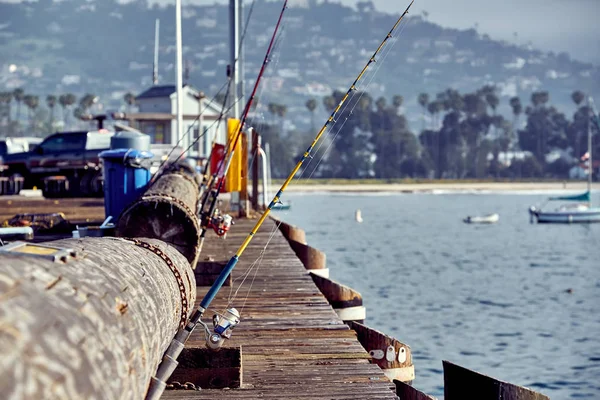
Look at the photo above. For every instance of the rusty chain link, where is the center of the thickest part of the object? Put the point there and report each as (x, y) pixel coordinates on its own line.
(174, 200)
(176, 273)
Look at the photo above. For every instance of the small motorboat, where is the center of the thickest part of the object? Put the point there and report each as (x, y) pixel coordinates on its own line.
(484, 219)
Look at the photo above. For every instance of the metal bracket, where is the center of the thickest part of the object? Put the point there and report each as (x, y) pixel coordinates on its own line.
(52, 253)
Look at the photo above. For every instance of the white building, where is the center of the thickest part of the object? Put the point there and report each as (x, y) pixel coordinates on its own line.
(199, 116)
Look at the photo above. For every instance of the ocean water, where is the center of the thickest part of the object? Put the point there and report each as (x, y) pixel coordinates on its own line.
(513, 300)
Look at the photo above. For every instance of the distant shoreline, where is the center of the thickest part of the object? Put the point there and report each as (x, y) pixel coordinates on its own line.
(429, 187)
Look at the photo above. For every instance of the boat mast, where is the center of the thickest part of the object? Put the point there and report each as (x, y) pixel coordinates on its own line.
(590, 163)
(179, 81)
(155, 66)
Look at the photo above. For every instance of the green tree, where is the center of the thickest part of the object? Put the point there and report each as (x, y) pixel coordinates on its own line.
(19, 95)
(5, 100)
(311, 105)
(397, 101)
(32, 102)
(423, 100)
(51, 103)
(66, 101)
(578, 97)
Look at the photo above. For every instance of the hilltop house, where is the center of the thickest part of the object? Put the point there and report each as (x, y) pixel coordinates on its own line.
(157, 117)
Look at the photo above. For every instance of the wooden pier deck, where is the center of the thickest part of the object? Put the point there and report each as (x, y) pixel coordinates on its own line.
(293, 344)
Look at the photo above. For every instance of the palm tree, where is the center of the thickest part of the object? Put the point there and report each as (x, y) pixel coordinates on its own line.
(380, 104)
(32, 102)
(397, 101)
(578, 97)
(329, 103)
(423, 100)
(311, 105)
(129, 99)
(66, 101)
(18, 94)
(86, 102)
(5, 99)
(281, 111)
(432, 108)
(51, 103)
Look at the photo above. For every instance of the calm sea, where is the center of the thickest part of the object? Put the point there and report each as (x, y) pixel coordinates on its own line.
(514, 300)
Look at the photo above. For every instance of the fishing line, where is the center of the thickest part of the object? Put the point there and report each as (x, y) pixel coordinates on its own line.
(351, 112)
(164, 369)
(187, 132)
(352, 104)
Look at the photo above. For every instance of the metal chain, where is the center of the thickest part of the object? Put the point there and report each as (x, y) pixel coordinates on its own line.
(174, 200)
(182, 386)
(176, 273)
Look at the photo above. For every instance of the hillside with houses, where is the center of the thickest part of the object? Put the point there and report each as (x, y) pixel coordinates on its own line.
(106, 48)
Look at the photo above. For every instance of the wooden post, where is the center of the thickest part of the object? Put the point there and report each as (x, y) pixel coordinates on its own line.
(313, 260)
(391, 355)
(95, 326)
(244, 189)
(167, 211)
(346, 302)
(291, 232)
(462, 383)
(255, 147)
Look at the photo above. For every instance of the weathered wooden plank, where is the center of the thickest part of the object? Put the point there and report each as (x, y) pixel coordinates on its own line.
(93, 327)
(295, 345)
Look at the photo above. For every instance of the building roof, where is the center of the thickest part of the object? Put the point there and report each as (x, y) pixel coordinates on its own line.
(161, 91)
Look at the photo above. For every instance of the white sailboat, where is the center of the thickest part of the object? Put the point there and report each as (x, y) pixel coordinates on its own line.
(582, 212)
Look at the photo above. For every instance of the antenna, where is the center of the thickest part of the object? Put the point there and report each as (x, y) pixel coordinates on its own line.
(155, 67)
(186, 72)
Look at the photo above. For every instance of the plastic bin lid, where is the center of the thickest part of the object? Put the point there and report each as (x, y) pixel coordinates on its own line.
(125, 154)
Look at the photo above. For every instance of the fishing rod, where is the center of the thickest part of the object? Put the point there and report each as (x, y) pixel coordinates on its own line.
(208, 219)
(224, 324)
(223, 111)
(166, 160)
(205, 179)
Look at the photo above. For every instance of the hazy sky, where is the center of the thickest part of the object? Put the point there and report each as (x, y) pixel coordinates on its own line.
(552, 25)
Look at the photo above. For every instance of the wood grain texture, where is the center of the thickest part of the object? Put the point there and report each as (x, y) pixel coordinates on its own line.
(291, 232)
(462, 383)
(294, 345)
(167, 211)
(93, 328)
(387, 352)
(310, 257)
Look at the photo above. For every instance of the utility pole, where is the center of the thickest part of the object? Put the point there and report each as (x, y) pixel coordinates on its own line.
(155, 66)
(179, 80)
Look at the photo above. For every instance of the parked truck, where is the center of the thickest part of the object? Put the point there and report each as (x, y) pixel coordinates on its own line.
(71, 157)
(67, 164)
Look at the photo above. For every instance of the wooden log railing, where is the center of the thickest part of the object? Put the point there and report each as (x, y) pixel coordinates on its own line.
(167, 211)
(93, 326)
(391, 355)
(346, 302)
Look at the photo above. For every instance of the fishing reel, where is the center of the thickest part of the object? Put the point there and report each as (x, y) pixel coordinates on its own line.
(220, 223)
(223, 327)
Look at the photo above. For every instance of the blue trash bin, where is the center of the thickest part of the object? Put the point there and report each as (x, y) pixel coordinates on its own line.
(126, 174)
